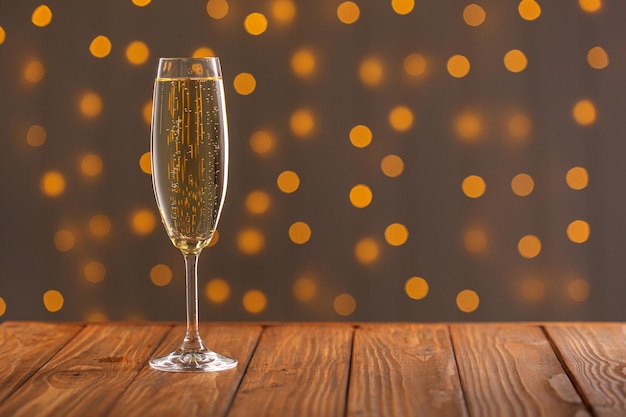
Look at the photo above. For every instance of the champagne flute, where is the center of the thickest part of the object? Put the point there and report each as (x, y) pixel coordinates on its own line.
(189, 149)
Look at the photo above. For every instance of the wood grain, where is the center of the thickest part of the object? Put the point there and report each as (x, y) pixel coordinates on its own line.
(88, 375)
(404, 370)
(595, 356)
(511, 370)
(154, 393)
(297, 370)
(26, 347)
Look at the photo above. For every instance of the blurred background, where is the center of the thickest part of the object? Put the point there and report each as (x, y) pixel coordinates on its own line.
(399, 160)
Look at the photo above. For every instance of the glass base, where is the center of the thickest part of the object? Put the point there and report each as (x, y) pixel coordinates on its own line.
(195, 361)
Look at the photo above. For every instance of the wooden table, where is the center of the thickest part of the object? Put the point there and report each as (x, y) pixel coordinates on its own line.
(318, 369)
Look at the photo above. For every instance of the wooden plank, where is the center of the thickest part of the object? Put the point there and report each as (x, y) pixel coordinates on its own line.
(297, 370)
(595, 356)
(511, 370)
(404, 370)
(89, 374)
(154, 393)
(27, 346)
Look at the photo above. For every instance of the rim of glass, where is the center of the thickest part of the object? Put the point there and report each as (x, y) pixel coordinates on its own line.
(189, 58)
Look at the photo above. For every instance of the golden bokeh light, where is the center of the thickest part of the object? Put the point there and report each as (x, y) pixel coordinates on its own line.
(303, 63)
(34, 71)
(578, 231)
(396, 234)
(590, 6)
(146, 113)
(42, 16)
(577, 178)
(100, 225)
(250, 241)
(96, 317)
(348, 12)
(100, 46)
(53, 300)
(255, 23)
(160, 275)
(94, 272)
(288, 182)
(584, 112)
(360, 136)
(344, 304)
(141, 3)
(244, 83)
(36, 136)
(361, 196)
(402, 7)
(304, 289)
(468, 126)
(91, 165)
(257, 202)
(458, 66)
(371, 71)
(474, 15)
(254, 301)
(143, 221)
(302, 123)
(145, 163)
(515, 60)
(366, 250)
(392, 166)
(473, 186)
(415, 65)
(203, 52)
(519, 126)
(401, 118)
(64, 240)
(529, 246)
(90, 104)
(284, 11)
(522, 184)
(529, 9)
(52, 184)
(217, 290)
(416, 288)
(533, 289)
(137, 52)
(217, 9)
(467, 301)
(214, 239)
(475, 240)
(597, 58)
(3, 304)
(299, 233)
(3, 35)
(578, 290)
(262, 142)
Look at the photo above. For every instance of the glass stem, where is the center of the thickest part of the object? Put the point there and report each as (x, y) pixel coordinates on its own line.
(192, 341)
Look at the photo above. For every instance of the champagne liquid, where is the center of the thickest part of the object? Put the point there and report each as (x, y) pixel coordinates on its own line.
(189, 158)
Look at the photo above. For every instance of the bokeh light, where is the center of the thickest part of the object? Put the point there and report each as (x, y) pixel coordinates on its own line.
(392, 166)
(416, 288)
(36, 136)
(578, 231)
(161, 275)
(288, 182)
(299, 233)
(401, 118)
(64, 240)
(515, 60)
(303, 63)
(302, 123)
(473, 186)
(415, 65)
(143, 221)
(100, 225)
(475, 240)
(366, 250)
(53, 300)
(304, 289)
(42, 16)
(396, 234)
(244, 83)
(360, 136)
(519, 126)
(91, 165)
(3, 306)
(348, 12)
(258, 202)
(141, 3)
(529, 9)
(94, 272)
(90, 104)
(217, 290)
(53, 184)
(137, 52)
(469, 126)
(590, 6)
(262, 142)
(403, 7)
(467, 301)
(217, 9)
(597, 58)
(250, 241)
(146, 113)
(529, 246)
(3, 35)
(344, 304)
(34, 71)
(577, 178)
(522, 184)
(584, 112)
(203, 52)
(360, 196)
(284, 11)
(254, 301)
(255, 23)
(533, 289)
(371, 71)
(578, 290)
(474, 15)
(100, 46)
(458, 66)
(145, 163)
